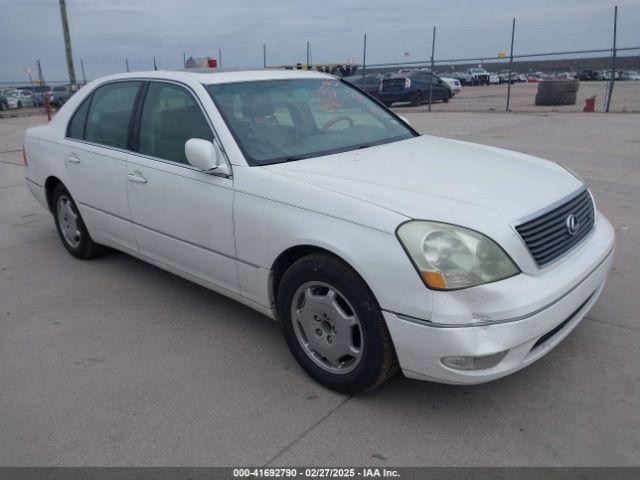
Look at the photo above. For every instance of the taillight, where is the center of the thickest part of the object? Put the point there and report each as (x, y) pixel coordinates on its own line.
(24, 156)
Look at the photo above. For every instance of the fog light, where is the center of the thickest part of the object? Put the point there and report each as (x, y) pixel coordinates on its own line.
(474, 363)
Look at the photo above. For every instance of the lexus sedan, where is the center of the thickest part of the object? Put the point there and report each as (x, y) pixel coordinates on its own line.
(375, 247)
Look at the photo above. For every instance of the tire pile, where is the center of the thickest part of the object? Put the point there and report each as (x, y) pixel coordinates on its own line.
(557, 92)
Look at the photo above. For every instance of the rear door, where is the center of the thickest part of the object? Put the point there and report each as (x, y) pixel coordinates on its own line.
(182, 217)
(95, 159)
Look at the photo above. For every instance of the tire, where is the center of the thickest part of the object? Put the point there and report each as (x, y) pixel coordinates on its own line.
(558, 86)
(556, 99)
(72, 231)
(446, 97)
(418, 99)
(19, 104)
(321, 323)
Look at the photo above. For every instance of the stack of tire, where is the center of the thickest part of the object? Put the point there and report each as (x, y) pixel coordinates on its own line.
(557, 92)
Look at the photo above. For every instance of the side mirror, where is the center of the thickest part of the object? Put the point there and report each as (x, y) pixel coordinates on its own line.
(204, 155)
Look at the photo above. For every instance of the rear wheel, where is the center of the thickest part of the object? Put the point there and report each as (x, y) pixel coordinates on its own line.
(333, 325)
(71, 228)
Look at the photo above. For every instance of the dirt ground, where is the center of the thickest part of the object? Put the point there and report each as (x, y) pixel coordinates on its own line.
(626, 98)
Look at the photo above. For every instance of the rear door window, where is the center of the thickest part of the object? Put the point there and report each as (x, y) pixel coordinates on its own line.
(110, 114)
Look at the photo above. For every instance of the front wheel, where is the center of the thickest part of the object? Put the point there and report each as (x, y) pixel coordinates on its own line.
(333, 325)
(19, 104)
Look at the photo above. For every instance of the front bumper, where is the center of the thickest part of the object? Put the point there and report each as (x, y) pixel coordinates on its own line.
(421, 344)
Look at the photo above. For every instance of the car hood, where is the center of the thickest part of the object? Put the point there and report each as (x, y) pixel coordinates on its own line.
(439, 179)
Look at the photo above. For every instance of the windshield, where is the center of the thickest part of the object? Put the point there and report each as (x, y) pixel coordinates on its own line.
(478, 70)
(284, 120)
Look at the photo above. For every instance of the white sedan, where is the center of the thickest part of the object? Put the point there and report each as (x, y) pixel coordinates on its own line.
(20, 99)
(295, 194)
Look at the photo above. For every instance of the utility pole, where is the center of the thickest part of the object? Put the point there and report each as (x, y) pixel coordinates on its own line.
(220, 58)
(308, 53)
(155, 65)
(264, 55)
(67, 45)
(364, 63)
(126, 63)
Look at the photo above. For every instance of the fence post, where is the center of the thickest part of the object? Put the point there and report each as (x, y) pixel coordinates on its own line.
(513, 31)
(613, 58)
(126, 63)
(264, 55)
(184, 59)
(433, 49)
(155, 66)
(220, 58)
(364, 61)
(307, 55)
(84, 77)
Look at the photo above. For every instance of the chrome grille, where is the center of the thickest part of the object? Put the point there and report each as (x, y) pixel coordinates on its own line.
(549, 236)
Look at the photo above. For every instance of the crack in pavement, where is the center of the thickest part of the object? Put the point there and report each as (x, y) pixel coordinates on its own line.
(308, 430)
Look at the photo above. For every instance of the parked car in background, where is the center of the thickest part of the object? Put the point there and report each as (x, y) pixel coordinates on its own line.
(375, 247)
(631, 75)
(413, 87)
(20, 99)
(372, 83)
(39, 92)
(532, 79)
(494, 79)
(59, 95)
(4, 104)
(454, 84)
(588, 75)
(477, 76)
(503, 76)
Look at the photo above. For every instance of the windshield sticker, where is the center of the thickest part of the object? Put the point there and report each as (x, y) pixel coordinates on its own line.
(328, 96)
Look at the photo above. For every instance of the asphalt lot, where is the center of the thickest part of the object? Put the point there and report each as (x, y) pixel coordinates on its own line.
(115, 362)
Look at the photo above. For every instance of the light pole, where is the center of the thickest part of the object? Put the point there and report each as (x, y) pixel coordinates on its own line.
(67, 45)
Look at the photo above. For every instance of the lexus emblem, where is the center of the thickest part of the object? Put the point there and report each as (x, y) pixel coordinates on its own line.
(572, 224)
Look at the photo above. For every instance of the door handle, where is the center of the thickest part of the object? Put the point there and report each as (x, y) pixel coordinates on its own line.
(73, 158)
(136, 178)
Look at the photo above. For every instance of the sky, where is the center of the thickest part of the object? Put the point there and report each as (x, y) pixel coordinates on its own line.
(106, 32)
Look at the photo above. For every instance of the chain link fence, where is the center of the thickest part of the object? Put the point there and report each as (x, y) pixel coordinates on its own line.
(558, 60)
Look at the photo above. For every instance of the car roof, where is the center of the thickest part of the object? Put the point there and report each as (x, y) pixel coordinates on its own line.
(206, 77)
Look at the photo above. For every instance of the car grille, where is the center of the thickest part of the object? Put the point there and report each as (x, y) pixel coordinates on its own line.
(548, 236)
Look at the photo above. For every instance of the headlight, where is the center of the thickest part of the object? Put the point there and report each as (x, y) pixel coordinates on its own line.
(449, 257)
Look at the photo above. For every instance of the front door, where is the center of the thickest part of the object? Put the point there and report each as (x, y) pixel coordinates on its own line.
(182, 217)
